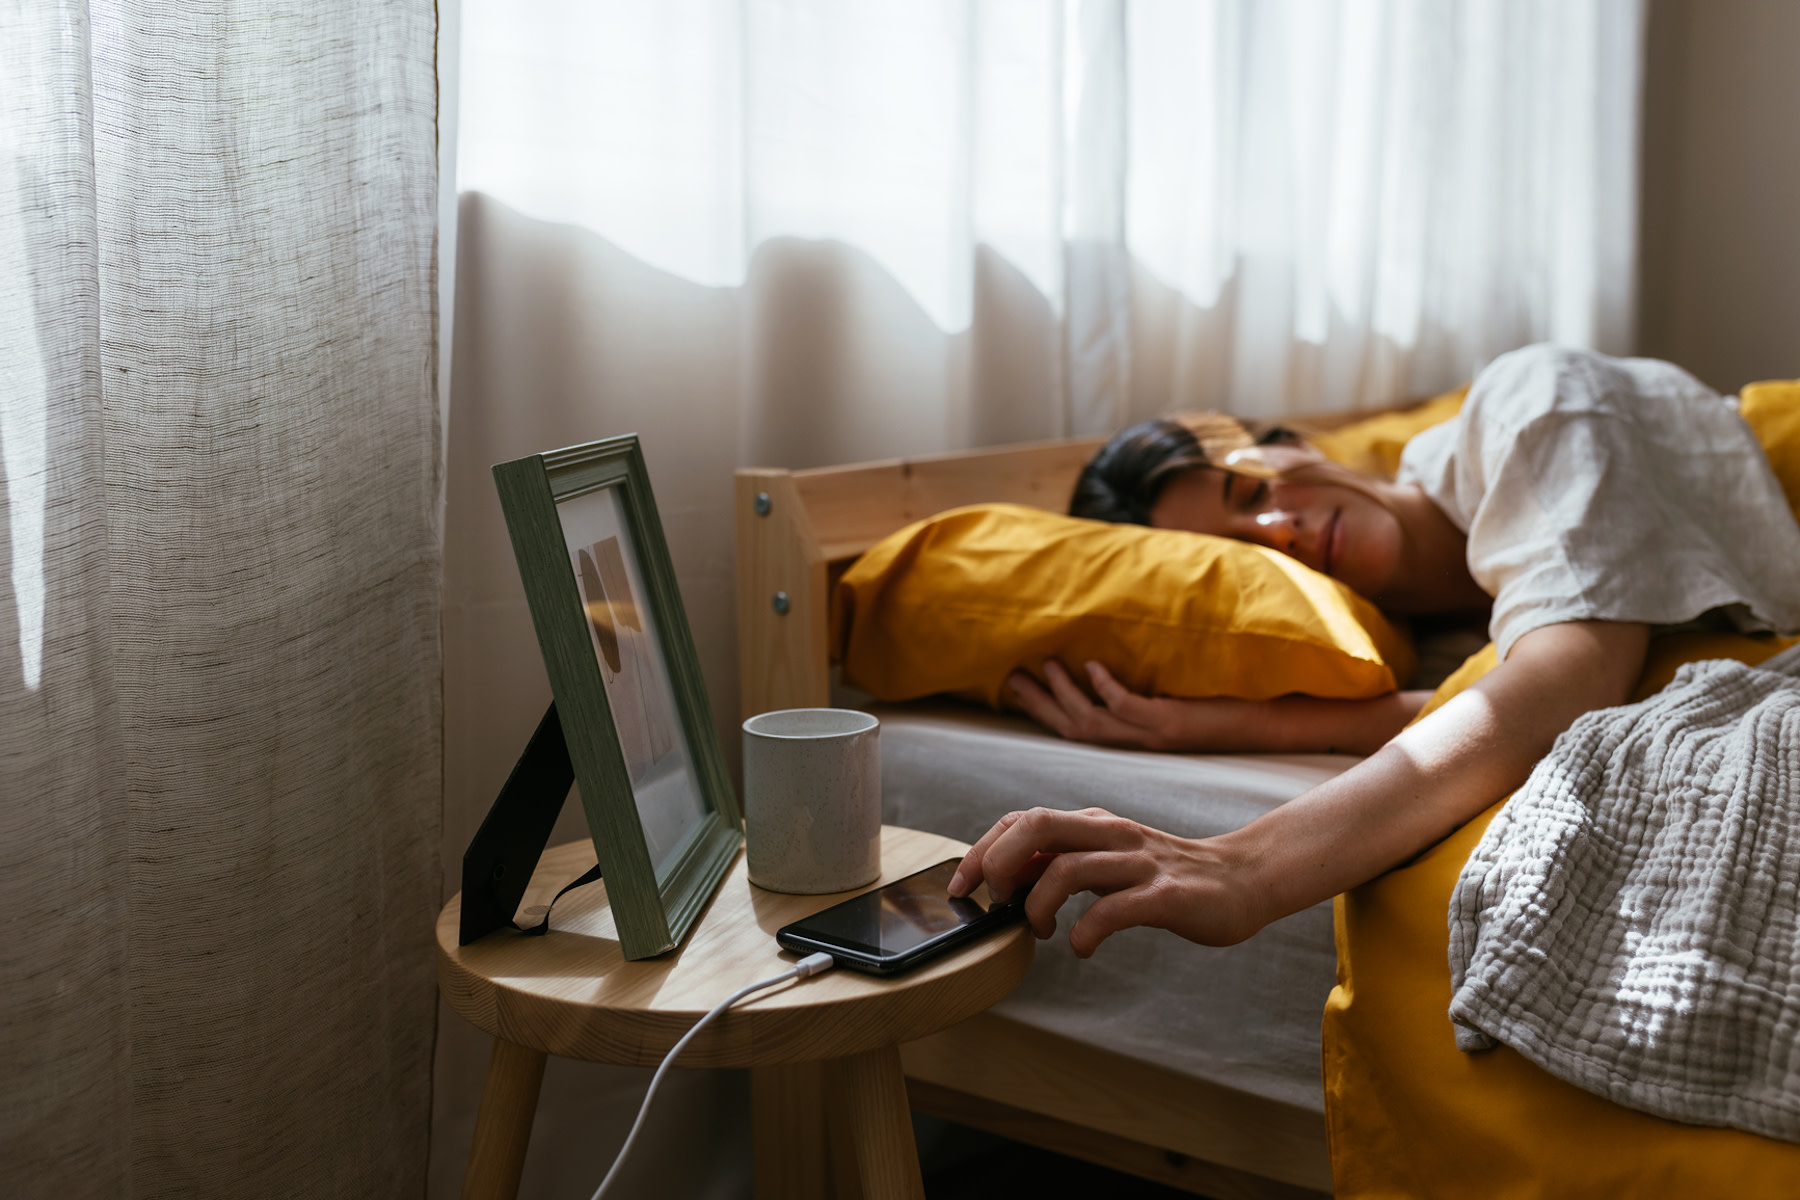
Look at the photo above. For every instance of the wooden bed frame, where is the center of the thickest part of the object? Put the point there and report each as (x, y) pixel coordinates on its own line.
(798, 530)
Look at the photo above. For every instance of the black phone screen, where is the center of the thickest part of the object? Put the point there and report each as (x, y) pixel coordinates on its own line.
(904, 915)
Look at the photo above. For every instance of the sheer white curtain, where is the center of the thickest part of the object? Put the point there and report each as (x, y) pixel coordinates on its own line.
(1264, 206)
(219, 566)
(789, 234)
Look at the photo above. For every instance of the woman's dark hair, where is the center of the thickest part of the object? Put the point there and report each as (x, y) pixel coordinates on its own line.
(1124, 479)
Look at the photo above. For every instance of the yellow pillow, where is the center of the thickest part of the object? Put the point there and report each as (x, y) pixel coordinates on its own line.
(956, 602)
(1373, 445)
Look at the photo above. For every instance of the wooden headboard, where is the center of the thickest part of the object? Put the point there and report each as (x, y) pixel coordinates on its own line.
(796, 530)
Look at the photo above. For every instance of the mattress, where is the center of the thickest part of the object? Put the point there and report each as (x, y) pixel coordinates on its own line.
(1244, 1016)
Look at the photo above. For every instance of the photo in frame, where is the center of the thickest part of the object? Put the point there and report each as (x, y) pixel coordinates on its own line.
(626, 682)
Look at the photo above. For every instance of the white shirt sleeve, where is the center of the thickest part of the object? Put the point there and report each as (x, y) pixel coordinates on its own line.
(1594, 488)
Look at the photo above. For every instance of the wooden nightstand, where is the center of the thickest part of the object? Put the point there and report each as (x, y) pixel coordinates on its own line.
(827, 1045)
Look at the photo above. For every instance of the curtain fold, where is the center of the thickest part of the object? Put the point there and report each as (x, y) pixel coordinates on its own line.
(220, 699)
(64, 851)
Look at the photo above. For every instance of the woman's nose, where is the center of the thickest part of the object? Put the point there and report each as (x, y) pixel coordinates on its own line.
(1277, 528)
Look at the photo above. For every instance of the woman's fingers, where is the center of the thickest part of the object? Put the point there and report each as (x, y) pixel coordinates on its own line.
(1121, 700)
(1040, 705)
(1106, 916)
(1051, 706)
(1064, 710)
(968, 872)
(1073, 873)
(1067, 694)
(1010, 858)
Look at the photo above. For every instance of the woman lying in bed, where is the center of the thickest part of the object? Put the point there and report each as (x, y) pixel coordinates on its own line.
(1593, 501)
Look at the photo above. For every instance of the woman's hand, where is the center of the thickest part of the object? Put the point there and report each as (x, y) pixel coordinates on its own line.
(1143, 876)
(1124, 718)
(1220, 724)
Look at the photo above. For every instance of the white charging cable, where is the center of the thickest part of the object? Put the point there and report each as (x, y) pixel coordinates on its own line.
(812, 964)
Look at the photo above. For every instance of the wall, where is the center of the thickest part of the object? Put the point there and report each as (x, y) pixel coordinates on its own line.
(1720, 258)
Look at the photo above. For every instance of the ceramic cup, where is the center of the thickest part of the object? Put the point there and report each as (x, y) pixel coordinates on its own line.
(812, 799)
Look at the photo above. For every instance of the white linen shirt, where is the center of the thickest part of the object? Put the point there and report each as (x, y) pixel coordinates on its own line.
(1612, 489)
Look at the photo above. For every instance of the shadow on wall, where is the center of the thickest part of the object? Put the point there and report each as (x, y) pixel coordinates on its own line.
(821, 357)
(562, 338)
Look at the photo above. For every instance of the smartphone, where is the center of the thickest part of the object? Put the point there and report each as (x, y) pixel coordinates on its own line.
(897, 927)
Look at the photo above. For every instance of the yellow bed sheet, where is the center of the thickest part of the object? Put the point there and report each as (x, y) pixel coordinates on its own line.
(1411, 1115)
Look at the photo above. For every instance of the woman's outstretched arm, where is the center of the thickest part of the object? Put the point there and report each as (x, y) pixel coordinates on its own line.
(1284, 725)
(1404, 798)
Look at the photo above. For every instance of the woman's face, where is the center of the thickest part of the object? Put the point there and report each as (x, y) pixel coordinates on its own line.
(1316, 515)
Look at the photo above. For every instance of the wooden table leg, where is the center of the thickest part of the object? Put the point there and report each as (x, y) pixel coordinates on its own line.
(873, 1102)
(787, 1130)
(503, 1124)
(840, 1146)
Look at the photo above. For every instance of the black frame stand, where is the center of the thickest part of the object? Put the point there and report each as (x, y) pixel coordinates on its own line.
(498, 864)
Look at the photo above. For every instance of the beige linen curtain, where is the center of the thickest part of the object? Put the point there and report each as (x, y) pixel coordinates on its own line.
(219, 564)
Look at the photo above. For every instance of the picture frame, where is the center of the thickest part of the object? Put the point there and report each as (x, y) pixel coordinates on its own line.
(626, 682)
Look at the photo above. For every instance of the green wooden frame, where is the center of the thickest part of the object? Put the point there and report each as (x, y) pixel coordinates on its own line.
(652, 915)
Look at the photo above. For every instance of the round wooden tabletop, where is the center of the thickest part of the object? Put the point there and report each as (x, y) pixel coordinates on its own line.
(572, 993)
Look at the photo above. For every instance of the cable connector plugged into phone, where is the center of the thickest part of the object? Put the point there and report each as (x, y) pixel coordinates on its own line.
(806, 968)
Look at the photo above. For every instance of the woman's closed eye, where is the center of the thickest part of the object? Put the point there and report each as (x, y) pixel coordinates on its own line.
(1243, 494)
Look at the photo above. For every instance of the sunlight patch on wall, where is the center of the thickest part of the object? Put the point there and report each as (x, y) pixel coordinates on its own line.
(688, 133)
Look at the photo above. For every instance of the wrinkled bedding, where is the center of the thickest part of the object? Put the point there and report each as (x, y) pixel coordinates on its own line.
(1630, 921)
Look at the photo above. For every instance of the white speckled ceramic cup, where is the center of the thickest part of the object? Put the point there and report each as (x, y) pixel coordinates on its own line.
(812, 799)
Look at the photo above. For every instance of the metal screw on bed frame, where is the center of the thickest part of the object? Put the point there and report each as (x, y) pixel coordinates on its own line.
(763, 504)
(780, 603)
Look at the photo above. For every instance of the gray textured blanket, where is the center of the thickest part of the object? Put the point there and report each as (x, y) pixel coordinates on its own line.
(1629, 920)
